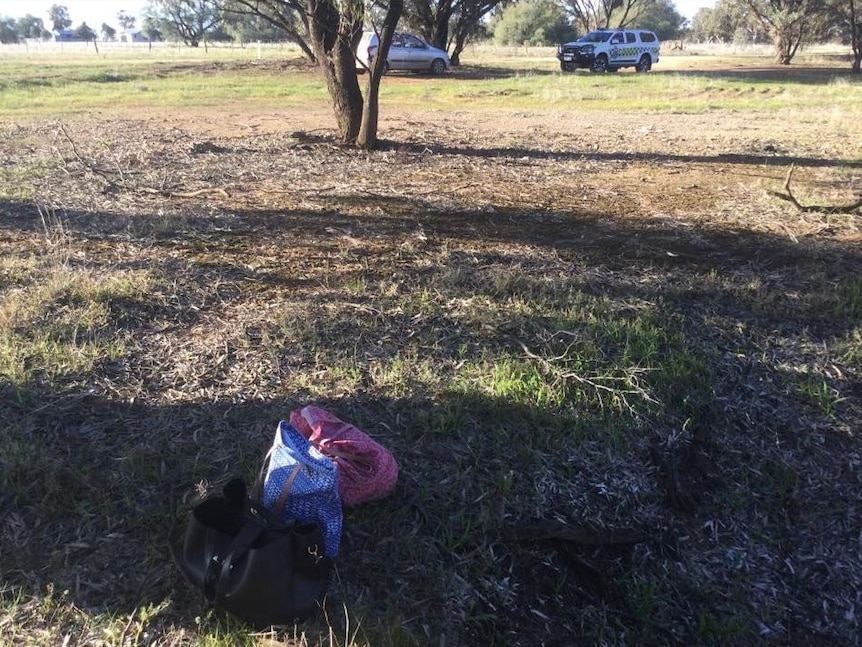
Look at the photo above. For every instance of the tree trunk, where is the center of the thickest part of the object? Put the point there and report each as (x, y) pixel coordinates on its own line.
(339, 72)
(783, 49)
(441, 28)
(371, 109)
(856, 44)
(334, 29)
(331, 31)
(855, 24)
(367, 138)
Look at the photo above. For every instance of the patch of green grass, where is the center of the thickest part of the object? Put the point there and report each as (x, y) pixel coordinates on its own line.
(77, 84)
(848, 300)
(819, 392)
(59, 321)
(80, 84)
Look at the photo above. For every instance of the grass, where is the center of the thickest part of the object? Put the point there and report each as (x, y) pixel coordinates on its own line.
(40, 84)
(554, 339)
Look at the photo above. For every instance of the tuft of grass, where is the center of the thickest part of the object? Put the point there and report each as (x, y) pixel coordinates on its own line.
(820, 393)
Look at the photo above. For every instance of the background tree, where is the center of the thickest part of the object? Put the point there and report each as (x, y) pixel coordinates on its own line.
(286, 16)
(85, 32)
(108, 32)
(846, 17)
(537, 22)
(125, 20)
(594, 14)
(150, 28)
(250, 28)
(727, 22)
(30, 26)
(8, 31)
(190, 21)
(468, 24)
(789, 23)
(448, 24)
(59, 17)
(334, 31)
(331, 30)
(659, 16)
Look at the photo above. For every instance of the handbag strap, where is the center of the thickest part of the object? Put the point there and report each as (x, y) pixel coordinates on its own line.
(281, 501)
(257, 490)
(350, 457)
(217, 576)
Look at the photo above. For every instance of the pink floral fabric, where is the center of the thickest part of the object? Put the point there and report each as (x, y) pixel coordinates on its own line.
(367, 471)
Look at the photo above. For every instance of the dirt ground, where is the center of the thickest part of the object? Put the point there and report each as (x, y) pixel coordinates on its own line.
(711, 170)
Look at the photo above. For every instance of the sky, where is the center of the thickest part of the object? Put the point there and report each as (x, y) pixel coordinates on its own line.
(92, 12)
(96, 12)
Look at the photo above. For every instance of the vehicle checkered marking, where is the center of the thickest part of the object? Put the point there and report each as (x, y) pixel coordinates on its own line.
(632, 51)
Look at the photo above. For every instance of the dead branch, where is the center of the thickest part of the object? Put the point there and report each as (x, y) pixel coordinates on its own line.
(821, 208)
(95, 170)
(184, 194)
(597, 383)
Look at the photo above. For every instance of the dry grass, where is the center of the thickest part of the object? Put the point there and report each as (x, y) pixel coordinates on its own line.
(623, 383)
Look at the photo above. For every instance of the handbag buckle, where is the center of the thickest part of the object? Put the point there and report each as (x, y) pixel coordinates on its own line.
(313, 551)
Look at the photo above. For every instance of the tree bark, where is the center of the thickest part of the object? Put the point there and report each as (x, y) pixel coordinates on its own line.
(367, 138)
(333, 30)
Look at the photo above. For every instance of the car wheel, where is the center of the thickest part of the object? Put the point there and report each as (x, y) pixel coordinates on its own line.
(567, 67)
(600, 65)
(645, 64)
(438, 66)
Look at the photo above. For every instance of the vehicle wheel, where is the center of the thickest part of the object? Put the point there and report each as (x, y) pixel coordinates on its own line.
(438, 66)
(600, 65)
(645, 64)
(567, 67)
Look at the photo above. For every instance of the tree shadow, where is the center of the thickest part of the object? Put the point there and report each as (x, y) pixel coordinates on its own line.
(515, 152)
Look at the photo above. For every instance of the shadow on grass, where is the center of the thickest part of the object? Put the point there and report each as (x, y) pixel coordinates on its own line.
(92, 478)
(194, 243)
(769, 159)
(805, 74)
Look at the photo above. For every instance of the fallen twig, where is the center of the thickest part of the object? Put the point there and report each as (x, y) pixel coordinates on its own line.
(85, 163)
(822, 208)
(184, 194)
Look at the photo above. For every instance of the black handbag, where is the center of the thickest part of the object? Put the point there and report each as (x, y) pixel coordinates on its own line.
(251, 564)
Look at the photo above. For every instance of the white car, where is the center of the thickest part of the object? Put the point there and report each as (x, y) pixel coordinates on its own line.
(407, 52)
(607, 50)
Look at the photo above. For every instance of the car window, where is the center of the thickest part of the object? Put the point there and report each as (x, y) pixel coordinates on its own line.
(631, 38)
(595, 37)
(617, 39)
(412, 41)
(397, 40)
(648, 37)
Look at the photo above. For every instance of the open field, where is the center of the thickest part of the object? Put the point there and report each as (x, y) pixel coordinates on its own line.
(622, 380)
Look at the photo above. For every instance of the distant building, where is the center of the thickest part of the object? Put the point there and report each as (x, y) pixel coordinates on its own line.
(133, 36)
(67, 36)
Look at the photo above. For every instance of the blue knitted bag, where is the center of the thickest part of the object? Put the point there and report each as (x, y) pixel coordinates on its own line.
(301, 486)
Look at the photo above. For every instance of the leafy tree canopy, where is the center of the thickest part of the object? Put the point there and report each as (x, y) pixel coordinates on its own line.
(659, 16)
(536, 22)
(59, 16)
